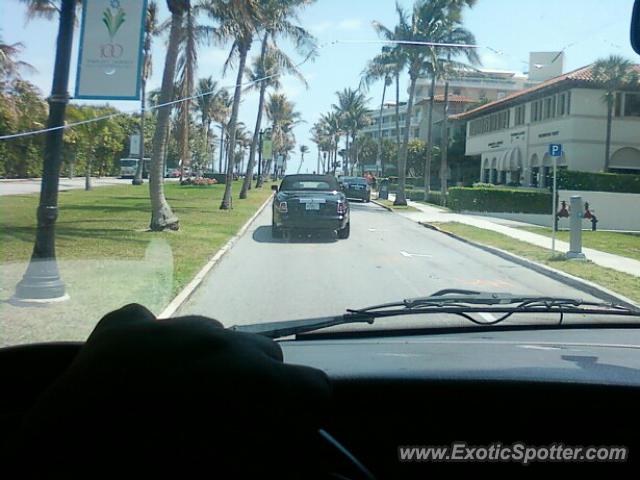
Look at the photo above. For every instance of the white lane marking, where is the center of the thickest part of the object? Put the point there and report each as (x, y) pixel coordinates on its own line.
(377, 229)
(408, 255)
(539, 347)
(487, 316)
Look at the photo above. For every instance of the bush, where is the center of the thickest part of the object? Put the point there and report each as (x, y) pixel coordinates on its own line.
(601, 182)
(199, 181)
(483, 199)
(218, 177)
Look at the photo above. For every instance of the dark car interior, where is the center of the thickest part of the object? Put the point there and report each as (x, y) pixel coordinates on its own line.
(538, 386)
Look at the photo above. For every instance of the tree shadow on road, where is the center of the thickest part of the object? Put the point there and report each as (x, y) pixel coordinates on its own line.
(263, 235)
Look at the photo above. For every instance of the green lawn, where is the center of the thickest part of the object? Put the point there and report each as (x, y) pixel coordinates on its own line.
(107, 257)
(625, 244)
(625, 284)
(400, 208)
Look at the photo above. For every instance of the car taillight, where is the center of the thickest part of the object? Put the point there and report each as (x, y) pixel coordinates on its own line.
(342, 208)
(282, 206)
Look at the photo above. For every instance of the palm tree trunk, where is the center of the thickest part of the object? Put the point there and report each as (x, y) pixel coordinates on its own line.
(162, 217)
(427, 163)
(226, 199)
(87, 172)
(379, 152)
(607, 147)
(444, 167)
(246, 184)
(402, 162)
(345, 158)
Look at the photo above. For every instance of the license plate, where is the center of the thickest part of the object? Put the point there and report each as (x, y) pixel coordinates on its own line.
(312, 206)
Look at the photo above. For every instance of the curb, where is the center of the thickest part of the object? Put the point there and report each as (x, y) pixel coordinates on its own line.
(566, 278)
(191, 287)
(382, 205)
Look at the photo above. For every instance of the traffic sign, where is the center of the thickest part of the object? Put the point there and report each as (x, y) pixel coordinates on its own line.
(555, 149)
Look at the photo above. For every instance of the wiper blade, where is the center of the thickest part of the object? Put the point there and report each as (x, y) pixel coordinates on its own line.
(450, 301)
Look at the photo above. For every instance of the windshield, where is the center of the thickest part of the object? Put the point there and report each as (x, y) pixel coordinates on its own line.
(356, 153)
(301, 182)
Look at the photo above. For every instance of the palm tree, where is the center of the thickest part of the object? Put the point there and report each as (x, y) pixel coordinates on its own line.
(303, 149)
(430, 21)
(150, 29)
(353, 113)
(331, 126)
(277, 16)
(378, 68)
(455, 33)
(10, 66)
(162, 217)
(283, 117)
(222, 103)
(238, 21)
(264, 74)
(207, 93)
(614, 73)
(390, 62)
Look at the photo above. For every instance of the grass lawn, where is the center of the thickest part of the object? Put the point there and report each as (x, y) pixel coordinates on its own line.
(106, 256)
(625, 284)
(618, 243)
(401, 208)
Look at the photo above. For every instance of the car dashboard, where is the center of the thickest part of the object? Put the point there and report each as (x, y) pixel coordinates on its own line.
(572, 386)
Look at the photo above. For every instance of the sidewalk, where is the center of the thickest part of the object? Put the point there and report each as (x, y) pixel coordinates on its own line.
(433, 214)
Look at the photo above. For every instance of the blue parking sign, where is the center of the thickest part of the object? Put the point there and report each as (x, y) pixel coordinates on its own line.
(555, 149)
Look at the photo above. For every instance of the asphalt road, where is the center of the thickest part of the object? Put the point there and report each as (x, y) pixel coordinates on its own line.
(32, 185)
(387, 258)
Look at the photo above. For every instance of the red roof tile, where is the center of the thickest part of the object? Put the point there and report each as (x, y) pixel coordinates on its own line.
(580, 76)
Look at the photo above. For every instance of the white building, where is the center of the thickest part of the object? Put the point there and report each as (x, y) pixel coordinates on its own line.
(512, 134)
(388, 128)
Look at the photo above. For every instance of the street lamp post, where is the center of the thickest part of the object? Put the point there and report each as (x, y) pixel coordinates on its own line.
(221, 147)
(259, 177)
(42, 280)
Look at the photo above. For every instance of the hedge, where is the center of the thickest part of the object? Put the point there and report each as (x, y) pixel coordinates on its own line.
(600, 182)
(218, 177)
(498, 200)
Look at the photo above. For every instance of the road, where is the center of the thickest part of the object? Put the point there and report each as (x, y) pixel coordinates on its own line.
(32, 185)
(387, 258)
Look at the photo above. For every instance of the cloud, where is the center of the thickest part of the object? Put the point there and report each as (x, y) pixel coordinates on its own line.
(350, 24)
(493, 60)
(320, 26)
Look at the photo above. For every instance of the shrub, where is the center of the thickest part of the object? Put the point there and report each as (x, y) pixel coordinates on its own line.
(199, 181)
(483, 199)
(601, 182)
(218, 177)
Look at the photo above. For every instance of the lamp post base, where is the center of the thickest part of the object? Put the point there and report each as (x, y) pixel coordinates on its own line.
(40, 282)
(575, 256)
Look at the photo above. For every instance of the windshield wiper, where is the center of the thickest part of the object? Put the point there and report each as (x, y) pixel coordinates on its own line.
(450, 301)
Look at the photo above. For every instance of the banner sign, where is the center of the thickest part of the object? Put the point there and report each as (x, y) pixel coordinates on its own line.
(134, 145)
(110, 52)
(267, 148)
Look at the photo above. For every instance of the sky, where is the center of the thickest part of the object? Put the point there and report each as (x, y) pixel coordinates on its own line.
(506, 30)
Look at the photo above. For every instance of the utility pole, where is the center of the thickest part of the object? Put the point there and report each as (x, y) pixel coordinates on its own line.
(42, 279)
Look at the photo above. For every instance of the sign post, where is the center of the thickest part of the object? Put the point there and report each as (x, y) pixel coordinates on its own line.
(555, 150)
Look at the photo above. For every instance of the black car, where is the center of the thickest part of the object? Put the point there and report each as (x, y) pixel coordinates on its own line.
(310, 202)
(356, 188)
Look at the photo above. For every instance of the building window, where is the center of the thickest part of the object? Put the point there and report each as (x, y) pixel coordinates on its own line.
(562, 98)
(632, 104)
(457, 91)
(569, 102)
(618, 105)
(519, 115)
